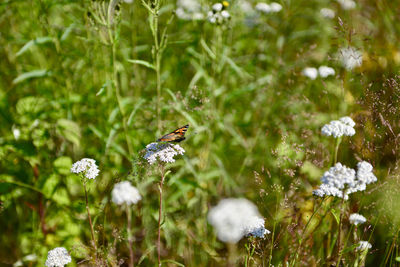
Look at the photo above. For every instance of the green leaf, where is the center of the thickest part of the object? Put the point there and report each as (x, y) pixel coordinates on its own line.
(336, 215)
(142, 62)
(30, 105)
(63, 165)
(69, 130)
(397, 259)
(39, 40)
(31, 74)
(50, 185)
(135, 109)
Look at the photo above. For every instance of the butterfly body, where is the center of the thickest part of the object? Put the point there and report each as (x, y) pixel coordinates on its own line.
(175, 136)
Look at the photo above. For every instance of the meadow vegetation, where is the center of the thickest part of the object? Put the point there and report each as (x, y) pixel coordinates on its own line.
(290, 158)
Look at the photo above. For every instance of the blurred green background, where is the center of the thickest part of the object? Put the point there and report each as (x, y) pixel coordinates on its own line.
(254, 120)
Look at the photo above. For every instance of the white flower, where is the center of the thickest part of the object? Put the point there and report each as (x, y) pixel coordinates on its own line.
(341, 181)
(275, 7)
(347, 4)
(124, 192)
(164, 152)
(245, 7)
(217, 7)
(225, 14)
(311, 73)
(254, 226)
(325, 71)
(234, 218)
(189, 10)
(86, 166)
(57, 257)
(263, 7)
(363, 245)
(350, 58)
(16, 132)
(327, 13)
(128, 1)
(343, 126)
(357, 219)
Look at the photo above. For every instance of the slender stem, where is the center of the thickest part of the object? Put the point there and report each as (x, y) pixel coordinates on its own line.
(90, 218)
(116, 87)
(338, 141)
(157, 61)
(339, 239)
(160, 188)
(129, 220)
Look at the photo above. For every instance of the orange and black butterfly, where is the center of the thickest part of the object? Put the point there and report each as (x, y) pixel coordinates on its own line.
(176, 136)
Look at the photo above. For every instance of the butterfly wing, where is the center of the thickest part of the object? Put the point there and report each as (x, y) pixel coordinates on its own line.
(176, 136)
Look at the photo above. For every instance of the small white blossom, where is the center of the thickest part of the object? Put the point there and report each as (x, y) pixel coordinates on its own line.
(128, 1)
(263, 7)
(275, 7)
(254, 226)
(217, 14)
(86, 166)
(245, 7)
(124, 192)
(234, 218)
(57, 257)
(164, 152)
(341, 181)
(327, 13)
(350, 58)
(347, 4)
(225, 14)
(363, 245)
(325, 71)
(357, 219)
(311, 73)
(189, 10)
(343, 126)
(217, 7)
(16, 132)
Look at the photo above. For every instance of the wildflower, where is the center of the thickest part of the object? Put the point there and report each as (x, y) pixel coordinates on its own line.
(57, 257)
(234, 218)
(311, 73)
(363, 246)
(350, 58)
(16, 132)
(347, 4)
(218, 14)
(124, 192)
(271, 8)
(340, 181)
(325, 71)
(189, 10)
(343, 126)
(164, 152)
(86, 166)
(255, 227)
(245, 7)
(357, 219)
(327, 13)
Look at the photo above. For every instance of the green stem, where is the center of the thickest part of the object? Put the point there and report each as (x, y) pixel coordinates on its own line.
(129, 233)
(339, 239)
(90, 218)
(160, 188)
(338, 141)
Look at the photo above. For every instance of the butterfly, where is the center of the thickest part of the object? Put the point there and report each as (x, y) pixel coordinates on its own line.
(176, 136)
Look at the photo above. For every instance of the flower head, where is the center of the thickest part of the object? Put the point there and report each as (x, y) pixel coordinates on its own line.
(327, 13)
(189, 10)
(234, 218)
(363, 246)
(218, 14)
(350, 58)
(271, 8)
(347, 4)
(340, 181)
(57, 257)
(164, 152)
(86, 166)
(311, 73)
(124, 192)
(325, 71)
(344, 126)
(357, 219)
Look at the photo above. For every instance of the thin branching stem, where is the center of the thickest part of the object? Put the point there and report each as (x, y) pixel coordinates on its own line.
(160, 189)
(90, 218)
(129, 233)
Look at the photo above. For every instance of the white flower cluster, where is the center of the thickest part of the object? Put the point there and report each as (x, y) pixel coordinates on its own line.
(341, 181)
(338, 128)
(189, 10)
(350, 58)
(125, 193)
(363, 245)
(57, 257)
(357, 219)
(218, 14)
(327, 13)
(323, 71)
(268, 8)
(234, 218)
(86, 166)
(347, 4)
(164, 152)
